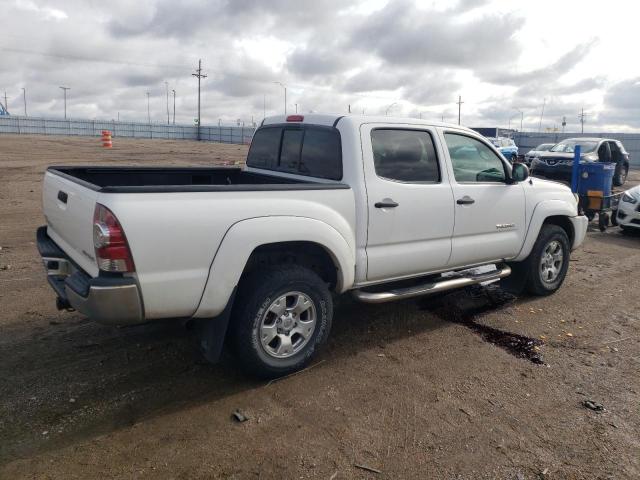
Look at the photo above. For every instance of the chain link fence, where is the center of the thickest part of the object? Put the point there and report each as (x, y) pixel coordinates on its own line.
(47, 126)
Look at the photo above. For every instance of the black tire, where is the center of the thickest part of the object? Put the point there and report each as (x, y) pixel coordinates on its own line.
(603, 221)
(535, 283)
(614, 218)
(620, 175)
(255, 294)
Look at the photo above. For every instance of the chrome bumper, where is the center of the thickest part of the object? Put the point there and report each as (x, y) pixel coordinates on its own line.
(108, 300)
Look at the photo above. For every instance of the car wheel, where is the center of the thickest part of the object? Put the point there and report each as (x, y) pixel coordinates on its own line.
(283, 314)
(548, 262)
(620, 175)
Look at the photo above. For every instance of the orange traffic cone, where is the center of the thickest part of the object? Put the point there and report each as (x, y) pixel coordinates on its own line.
(106, 139)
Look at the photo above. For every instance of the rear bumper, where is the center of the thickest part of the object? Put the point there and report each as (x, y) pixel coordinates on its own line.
(580, 223)
(108, 300)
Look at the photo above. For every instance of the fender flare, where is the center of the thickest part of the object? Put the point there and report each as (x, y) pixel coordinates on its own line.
(245, 236)
(542, 211)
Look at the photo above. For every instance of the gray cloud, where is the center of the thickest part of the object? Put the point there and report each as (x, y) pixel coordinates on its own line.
(403, 34)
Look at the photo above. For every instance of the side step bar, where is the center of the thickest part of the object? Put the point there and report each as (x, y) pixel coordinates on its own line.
(440, 285)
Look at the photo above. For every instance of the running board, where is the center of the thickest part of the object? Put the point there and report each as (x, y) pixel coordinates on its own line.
(441, 285)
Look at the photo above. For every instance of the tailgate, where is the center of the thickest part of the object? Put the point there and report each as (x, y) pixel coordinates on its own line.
(68, 209)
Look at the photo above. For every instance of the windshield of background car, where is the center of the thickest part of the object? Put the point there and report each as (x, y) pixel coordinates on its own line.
(568, 146)
(544, 147)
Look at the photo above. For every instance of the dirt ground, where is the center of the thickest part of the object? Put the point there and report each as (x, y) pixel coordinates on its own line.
(399, 388)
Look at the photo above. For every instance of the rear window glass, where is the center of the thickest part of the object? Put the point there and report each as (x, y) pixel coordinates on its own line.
(309, 151)
(290, 153)
(264, 148)
(321, 156)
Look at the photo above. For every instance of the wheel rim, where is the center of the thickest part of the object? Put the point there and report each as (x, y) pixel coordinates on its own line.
(551, 261)
(287, 325)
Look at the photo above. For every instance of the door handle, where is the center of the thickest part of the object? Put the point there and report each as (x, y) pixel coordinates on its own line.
(63, 196)
(466, 200)
(386, 203)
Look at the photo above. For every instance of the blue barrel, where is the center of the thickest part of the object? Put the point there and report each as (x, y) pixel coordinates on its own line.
(595, 179)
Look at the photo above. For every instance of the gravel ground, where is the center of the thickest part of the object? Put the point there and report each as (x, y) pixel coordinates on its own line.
(407, 389)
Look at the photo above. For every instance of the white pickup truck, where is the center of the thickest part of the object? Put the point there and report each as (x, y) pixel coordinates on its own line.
(382, 207)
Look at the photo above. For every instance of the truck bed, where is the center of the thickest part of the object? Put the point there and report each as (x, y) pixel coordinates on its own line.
(182, 179)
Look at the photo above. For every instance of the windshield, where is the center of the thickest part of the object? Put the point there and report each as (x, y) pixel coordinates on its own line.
(544, 147)
(567, 146)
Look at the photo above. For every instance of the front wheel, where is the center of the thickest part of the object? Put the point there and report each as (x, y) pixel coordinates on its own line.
(283, 314)
(548, 262)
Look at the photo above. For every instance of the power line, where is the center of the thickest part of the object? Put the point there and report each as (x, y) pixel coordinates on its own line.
(199, 75)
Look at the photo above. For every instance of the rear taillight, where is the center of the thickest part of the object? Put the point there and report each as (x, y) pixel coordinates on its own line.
(110, 243)
(295, 118)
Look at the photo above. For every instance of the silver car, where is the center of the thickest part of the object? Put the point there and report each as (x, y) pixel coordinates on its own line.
(535, 152)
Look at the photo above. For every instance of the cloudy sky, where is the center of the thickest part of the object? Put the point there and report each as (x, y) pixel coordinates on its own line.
(410, 58)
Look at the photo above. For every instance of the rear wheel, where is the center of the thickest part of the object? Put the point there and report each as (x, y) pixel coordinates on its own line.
(283, 314)
(548, 262)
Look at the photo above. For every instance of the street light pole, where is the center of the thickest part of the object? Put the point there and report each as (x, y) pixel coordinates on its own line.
(386, 112)
(24, 97)
(285, 95)
(166, 85)
(521, 117)
(148, 110)
(174, 106)
(64, 89)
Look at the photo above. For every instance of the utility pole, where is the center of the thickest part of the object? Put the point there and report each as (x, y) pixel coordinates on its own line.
(582, 118)
(24, 97)
(285, 95)
(564, 123)
(199, 75)
(64, 89)
(349, 108)
(6, 105)
(148, 110)
(459, 102)
(166, 85)
(174, 106)
(296, 107)
(544, 102)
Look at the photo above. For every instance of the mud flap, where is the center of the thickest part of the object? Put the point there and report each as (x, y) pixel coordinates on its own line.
(515, 282)
(211, 332)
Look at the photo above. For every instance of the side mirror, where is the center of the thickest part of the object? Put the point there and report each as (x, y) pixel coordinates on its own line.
(519, 172)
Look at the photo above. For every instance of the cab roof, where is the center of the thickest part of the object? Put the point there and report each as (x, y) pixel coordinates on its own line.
(330, 120)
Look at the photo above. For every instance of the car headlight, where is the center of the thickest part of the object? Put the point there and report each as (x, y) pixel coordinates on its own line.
(629, 199)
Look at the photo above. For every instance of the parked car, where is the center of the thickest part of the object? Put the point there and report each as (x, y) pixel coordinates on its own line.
(558, 161)
(326, 204)
(628, 215)
(506, 146)
(535, 152)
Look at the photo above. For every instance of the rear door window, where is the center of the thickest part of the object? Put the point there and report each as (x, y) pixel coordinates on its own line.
(405, 155)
